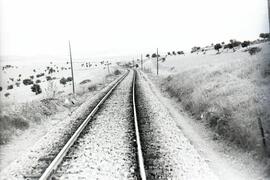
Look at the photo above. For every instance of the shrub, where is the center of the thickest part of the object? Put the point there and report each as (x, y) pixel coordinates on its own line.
(147, 55)
(265, 35)
(6, 94)
(51, 70)
(31, 77)
(27, 82)
(169, 53)
(10, 87)
(117, 72)
(8, 125)
(69, 79)
(17, 84)
(217, 47)
(254, 50)
(195, 49)
(48, 78)
(245, 44)
(93, 87)
(39, 75)
(174, 53)
(154, 55)
(1, 88)
(36, 89)
(180, 52)
(38, 81)
(63, 81)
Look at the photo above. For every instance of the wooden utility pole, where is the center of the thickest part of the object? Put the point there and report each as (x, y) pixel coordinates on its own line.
(269, 14)
(71, 64)
(157, 61)
(141, 62)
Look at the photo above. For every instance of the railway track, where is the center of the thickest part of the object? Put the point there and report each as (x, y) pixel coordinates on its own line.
(108, 137)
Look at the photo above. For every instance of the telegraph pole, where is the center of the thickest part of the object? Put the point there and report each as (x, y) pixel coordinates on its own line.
(269, 14)
(108, 66)
(157, 61)
(70, 56)
(141, 62)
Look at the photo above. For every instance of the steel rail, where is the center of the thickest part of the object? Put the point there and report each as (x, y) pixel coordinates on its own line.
(139, 148)
(58, 159)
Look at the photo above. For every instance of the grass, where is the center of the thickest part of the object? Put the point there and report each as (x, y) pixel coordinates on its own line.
(228, 97)
(14, 120)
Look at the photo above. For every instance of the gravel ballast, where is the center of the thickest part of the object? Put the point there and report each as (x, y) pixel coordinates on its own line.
(106, 149)
(167, 152)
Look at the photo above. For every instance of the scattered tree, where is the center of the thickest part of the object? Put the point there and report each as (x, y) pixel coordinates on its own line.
(169, 53)
(180, 52)
(48, 78)
(154, 55)
(147, 55)
(36, 89)
(195, 49)
(27, 82)
(265, 35)
(10, 87)
(217, 47)
(254, 50)
(63, 81)
(174, 53)
(245, 44)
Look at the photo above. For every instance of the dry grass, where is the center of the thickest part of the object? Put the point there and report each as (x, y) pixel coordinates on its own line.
(228, 97)
(15, 119)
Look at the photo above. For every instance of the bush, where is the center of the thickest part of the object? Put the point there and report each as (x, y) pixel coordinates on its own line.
(217, 47)
(1, 88)
(154, 55)
(38, 81)
(180, 52)
(6, 94)
(8, 125)
(265, 35)
(27, 82)
(117, 72)
(245, 44)
(93, 87)
(174, 53)
(48, 78)
(63, 81)
(195, 49)
(254, 50)
(36, 89)
(39, 75)
(10, 87)
(69, 79)
(31, 77)
(147, 55)
(169, 53)
(17, 84)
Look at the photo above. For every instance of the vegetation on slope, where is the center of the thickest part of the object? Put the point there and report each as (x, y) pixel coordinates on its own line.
(228, 97)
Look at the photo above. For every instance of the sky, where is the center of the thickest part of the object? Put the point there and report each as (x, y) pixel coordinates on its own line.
(96, 28)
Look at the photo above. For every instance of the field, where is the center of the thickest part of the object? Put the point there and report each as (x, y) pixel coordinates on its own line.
(227, 92)
(21, 107)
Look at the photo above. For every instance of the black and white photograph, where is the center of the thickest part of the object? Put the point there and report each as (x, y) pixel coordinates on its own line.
(135, 90)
